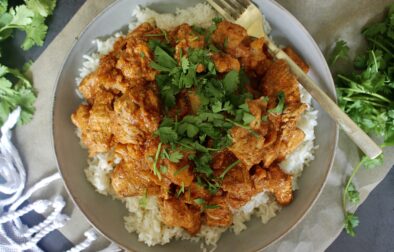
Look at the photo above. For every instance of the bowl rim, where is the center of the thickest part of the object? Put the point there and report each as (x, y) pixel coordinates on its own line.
(332, 150)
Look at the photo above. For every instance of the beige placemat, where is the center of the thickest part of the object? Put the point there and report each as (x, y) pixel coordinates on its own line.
(326, 21)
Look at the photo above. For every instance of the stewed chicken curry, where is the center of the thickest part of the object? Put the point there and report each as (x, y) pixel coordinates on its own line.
(198, 117)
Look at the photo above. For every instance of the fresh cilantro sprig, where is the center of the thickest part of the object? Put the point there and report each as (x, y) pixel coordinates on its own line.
(15, 89)
(340, 51)
(204, 205)
(367, 96)
(28, 17)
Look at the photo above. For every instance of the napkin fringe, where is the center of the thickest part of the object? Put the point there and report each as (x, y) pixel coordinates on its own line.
(14, 235)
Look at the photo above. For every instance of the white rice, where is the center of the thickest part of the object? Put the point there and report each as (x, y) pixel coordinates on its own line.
(145, 221)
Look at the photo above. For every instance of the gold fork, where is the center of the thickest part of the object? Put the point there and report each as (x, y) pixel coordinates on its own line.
(246, 14)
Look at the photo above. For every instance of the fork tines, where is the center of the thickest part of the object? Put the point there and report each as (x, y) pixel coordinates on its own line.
(230, 9)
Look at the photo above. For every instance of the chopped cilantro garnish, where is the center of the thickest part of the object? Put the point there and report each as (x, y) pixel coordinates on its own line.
(175, 157)
(228, 168)
(180, 190)
(155, 169)
(231, 81)
(142, 202)
(181, 169)
(281, 104)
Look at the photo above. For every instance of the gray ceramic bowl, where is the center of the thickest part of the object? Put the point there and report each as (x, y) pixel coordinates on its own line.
(107, 215)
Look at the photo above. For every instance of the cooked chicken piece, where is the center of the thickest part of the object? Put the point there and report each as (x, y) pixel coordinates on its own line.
(179, 173)
(246, 146)
(283, 136)
(135, 59)
(97, 141)
(290, 136)
(95, 123)
(108, 76)
(176, 213)
(182, 107)
(258, 108)
(276, 181)
(195, 191)
(238, 185)
(187, 103)
(143, 30)
(292, 114)
(80, 117)
(184, 37)
(232, 35)
(130, 152)
(222, 160)
(291, 139)
(297, 59)
(219, 214)
(101, 112)
(89, 87)
(137, 114)
(279, 78)
(256, 59)
(134, 178)
(225, 62)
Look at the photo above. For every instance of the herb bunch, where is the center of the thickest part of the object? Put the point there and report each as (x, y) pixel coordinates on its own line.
(367, 96)
(15, 89)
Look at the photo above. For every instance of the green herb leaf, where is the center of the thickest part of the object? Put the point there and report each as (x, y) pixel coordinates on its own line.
(228, 168)
(281, 104)
(175, 157)
(372, 163)
(351, 222)
(340, 51)
(155, 163)
(163, 169)
(352, 194)
(167, 135)
(199, 201)
(180, 170)
(180, 190)
(143, 201)
(248, 118)
(231, 81)
(20, 93)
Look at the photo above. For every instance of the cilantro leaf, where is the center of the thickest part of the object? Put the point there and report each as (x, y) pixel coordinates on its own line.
(42, 7)
(3, 6)
(248, 118)
(281, 104)
(20, 93)
(199, 201)
(167, 135)
(340, 51)
(228, 168)
(143, 201)
(21, 16)
(163, 60)
(351, 222)
(231, 81)
(372, 163)
(175, 157)
(352, 194)
(180, 170)
(29, 17)
(35, 33)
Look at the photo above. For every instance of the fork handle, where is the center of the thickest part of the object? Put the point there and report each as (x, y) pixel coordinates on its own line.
(359, 137)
